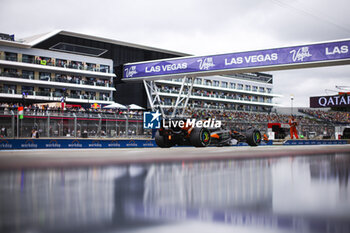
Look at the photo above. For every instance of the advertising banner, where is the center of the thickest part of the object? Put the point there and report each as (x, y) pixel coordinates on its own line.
(6, 144)
(314, 142)
(320, 54)
(330, 101)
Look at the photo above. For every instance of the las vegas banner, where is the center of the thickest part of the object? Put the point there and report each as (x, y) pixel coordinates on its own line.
(312, 55)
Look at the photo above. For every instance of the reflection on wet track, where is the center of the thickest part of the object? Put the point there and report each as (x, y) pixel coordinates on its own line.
(301, 194)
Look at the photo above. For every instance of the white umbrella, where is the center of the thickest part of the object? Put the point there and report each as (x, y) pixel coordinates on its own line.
(115, 105)
(135, 107)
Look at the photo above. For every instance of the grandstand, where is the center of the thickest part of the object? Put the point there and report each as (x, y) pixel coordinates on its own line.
(83, 69)
(121, 123)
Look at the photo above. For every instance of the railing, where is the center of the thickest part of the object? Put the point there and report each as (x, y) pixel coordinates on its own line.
(239, 88)
(28, 60)
(55, 94)
(71, 65)
(10, 58)
(111, 124)
(63, 124)
(42, 93)
(215, 96)
(56, 79)
(8, 91)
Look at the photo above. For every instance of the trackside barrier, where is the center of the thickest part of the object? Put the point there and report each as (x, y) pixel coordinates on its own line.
(262, 143)
(7, 144)
(314, 142)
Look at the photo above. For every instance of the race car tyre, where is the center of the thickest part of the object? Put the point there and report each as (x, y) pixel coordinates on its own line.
(253, 137)
(162, 141)
(200, 137)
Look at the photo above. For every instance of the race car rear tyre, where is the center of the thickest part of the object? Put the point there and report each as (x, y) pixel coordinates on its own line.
(162, 141)
(253, 137)
(200, 137)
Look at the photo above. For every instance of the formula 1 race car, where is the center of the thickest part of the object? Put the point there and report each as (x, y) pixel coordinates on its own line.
(167, 137)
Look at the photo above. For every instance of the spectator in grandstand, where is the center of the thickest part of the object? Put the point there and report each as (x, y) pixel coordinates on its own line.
(3, 132)
(293, 127)
(33, 133)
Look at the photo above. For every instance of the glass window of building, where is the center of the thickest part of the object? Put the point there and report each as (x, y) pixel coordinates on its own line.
(74, 79)
(27, 90)
(58, 92)
(10, 72)
(90, 81)
(224, 84)
(75, 94)
(90, 66)
(75, 65)
(100, 82)
(208, 82)
(89, 95)
(8, 88)
(44, 61)
(10, 56)
(44, 91)
(198, 81)
(104, 96)
(44, 76)
(28, 58)
(104, 68)
(27, 74)
(61, 63)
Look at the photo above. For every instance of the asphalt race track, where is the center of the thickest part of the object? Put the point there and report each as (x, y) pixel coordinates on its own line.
(94, 157)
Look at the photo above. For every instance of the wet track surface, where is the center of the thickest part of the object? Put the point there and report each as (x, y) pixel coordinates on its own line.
(287, 194)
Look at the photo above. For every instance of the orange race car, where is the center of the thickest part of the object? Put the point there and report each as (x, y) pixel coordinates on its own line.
(171, 135)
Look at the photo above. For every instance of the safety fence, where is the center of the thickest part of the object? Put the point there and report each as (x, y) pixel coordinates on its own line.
(59, 124)
(71, 125)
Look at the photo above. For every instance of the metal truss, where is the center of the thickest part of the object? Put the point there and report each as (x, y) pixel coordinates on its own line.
(187, 85)
(182, 97)
(154, 101)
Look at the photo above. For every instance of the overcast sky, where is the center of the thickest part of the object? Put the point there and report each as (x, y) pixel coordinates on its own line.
(200, 27)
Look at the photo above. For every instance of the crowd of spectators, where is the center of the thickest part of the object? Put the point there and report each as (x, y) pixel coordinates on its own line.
(246, 117)
(35, 109)
(69, 64)
(216, 94)
(309, 117)
(328, 116)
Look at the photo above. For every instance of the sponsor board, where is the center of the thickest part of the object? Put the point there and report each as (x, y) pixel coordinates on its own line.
(330, 101)
(6, 144)
(314, 142)
(286, 57)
